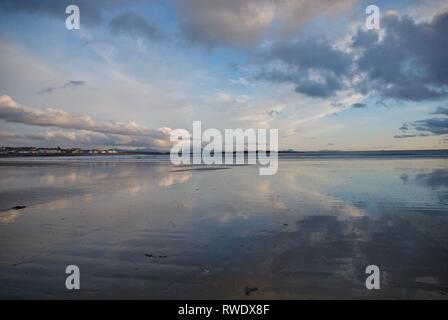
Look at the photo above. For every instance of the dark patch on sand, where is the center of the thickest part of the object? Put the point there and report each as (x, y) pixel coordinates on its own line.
(18, 207)
(248, 290)
(154, 256)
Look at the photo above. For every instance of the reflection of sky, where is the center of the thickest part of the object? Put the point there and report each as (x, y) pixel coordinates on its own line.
(348, 211)
(341, 187)
(396, 182)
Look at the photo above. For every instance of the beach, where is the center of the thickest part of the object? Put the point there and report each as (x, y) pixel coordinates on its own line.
(140, 227)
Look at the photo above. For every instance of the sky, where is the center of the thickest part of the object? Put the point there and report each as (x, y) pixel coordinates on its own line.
(136, 70)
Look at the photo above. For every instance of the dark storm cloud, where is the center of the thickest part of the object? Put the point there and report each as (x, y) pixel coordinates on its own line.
(132, 24)
(427, 127)
(320, 89)
(358, 105)
(441, 110)
(313, 66)
(75, 83)
(434, 126)
(409, 62)
(70, 84)
(48, 90)
(411, 135)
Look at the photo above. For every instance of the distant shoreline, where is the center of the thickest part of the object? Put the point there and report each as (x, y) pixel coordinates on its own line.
(321, 153)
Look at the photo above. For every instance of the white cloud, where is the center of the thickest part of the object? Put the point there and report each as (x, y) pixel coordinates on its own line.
(89, 131)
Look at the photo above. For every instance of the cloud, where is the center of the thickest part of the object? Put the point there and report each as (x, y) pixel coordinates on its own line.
(346, 106)
(441, 110)
(240, 81)
(75, 83)
(70, 84)
(59, 136)
(358, 105)
(435, 125)
(229, 99)
(411, 135)
(114, 133)
(423, 128)
(408, 62)
(83, 138)
(313, 66)
(427, 127)
(273, 112)
(132, 24)
(11, 111)
(243, 23)
(405, 61)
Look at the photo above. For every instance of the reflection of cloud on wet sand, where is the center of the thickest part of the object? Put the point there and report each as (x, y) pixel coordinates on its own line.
(287, 196)
(9, 216)
(73, 177)
(297, 234)
(304, 185)
(134, 190)
(53, 205)
(435, 179)
(326, 257)
(170, 178)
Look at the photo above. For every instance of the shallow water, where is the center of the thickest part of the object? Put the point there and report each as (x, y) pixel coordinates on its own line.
(147, 229)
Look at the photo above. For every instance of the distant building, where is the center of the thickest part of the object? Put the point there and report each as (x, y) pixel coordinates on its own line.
(57, 150)
(53, 151)
(74, 151)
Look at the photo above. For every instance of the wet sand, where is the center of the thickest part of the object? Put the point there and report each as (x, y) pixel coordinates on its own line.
(150, 230)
